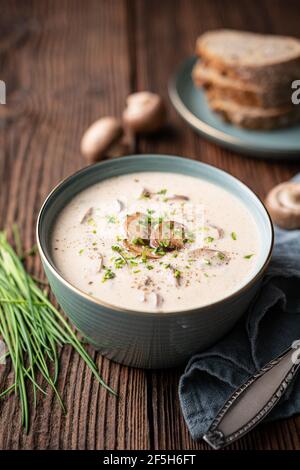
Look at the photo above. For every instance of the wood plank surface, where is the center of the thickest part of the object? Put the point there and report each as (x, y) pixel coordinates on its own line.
(66, 64)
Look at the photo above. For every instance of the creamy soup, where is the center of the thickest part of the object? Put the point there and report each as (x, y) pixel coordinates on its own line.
(155, 241)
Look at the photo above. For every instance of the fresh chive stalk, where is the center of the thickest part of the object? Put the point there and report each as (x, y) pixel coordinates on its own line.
(32, 330)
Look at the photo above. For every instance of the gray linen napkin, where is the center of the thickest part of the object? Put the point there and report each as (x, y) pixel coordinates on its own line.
(270, 326)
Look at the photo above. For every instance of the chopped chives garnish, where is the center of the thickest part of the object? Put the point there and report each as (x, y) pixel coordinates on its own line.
(249, 256)
(111, 219)
(159, 251)
(144, 255)
(137, 241)
(133, 263)
(91, 221)
(164, 243)
(119, 263)
(109, 274)
(116, 248)
(119, 250)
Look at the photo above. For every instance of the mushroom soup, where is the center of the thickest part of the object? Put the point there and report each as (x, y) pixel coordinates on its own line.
(154, 241)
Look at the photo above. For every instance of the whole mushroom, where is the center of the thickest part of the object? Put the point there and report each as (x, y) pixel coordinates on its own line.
(102, 139)
(145, 112)
(283, 203)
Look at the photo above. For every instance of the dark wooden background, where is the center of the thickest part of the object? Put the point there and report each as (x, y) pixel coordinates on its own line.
(65, 64)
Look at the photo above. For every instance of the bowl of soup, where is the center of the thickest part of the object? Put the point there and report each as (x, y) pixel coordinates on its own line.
(153, 257)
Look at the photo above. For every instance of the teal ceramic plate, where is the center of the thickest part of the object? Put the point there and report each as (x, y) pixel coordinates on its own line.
(191, 104)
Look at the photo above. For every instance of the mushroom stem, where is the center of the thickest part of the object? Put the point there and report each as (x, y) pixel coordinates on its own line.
(87, 215)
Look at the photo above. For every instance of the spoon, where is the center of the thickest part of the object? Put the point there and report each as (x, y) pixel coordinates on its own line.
(254, 400)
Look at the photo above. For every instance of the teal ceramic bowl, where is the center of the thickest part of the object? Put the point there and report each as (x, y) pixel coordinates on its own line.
(141, 339)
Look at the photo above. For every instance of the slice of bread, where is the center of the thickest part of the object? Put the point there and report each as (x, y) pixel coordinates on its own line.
(250, 117)
(248, 94)
(263, 60)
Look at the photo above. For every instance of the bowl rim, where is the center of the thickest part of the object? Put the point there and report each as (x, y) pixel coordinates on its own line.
(51, 266)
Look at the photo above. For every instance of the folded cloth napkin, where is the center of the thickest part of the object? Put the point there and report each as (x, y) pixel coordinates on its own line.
(270, 326)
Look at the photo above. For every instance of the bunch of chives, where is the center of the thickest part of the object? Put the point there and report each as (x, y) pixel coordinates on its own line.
(32, 330)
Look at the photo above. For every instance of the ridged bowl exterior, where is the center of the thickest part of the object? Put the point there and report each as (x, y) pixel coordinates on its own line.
(141, 339)
(148, 340)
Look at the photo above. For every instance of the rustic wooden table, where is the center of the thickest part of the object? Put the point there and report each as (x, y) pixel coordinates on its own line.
(66, 64)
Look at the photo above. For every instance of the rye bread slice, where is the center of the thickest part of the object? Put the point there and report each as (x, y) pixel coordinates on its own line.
(250, 117)
(239, 91)
(264, 60)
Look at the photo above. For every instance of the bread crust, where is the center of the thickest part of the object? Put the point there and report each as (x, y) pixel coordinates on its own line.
(241, 92)
(266, 71)
(255, 118)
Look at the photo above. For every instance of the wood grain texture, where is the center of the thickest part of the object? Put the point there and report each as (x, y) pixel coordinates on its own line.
(65, 64)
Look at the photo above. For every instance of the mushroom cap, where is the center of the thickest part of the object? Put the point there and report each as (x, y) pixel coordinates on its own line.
(145, 112)
(140, 250)
(100, 137)
(283, 203)
(169, 232)
(136, 226)
(214, 257)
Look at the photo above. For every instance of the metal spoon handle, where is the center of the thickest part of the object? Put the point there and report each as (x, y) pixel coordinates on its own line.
(253, 400)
